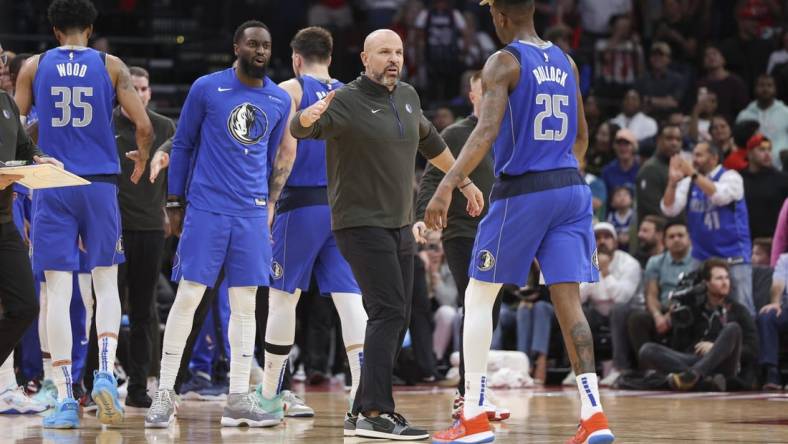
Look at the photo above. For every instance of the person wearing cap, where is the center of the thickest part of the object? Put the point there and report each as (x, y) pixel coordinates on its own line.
(765, 188)
(633, 118)
(662, 89)
(618, 286)
(771, 113)
(717, 216)
(623, 170)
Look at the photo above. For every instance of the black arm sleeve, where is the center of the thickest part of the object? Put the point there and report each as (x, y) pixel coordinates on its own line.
(431, 144)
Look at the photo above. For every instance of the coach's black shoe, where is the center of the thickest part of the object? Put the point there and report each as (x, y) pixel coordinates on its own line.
(683, 381)
(388, 426)
(138, 399)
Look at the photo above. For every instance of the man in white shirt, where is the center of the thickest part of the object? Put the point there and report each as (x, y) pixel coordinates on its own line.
(633, 119)
(618, 287)
(716, 214)
(595, 15)
(771, 113)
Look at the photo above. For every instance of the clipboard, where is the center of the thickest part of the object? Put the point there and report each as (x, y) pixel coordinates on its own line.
(43, 176)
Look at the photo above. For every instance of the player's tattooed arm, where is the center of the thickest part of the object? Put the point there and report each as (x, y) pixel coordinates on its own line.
(581, 141)
(283, 163)
(131, 103)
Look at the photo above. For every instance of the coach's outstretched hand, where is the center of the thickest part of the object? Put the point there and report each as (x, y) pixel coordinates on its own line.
(139, 165)
(312, 114)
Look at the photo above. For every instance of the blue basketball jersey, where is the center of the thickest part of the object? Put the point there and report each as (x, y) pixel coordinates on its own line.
(73, 96)
(540, 123)
(722, 232)
(309, 169)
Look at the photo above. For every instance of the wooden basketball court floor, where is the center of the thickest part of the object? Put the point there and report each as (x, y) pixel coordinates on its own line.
(538, 416)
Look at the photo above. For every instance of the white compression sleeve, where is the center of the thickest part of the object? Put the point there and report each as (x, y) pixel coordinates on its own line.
(179, 325)
(108, 313)
(279, 337)
(241, 334)
(477, 336)
(354, 325)
(59, 289)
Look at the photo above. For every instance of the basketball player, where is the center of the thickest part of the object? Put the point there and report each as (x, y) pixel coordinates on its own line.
(234, 120)
(74, 88)
(532, 115)
(302, 228)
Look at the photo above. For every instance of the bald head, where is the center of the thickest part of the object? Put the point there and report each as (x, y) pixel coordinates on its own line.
(383, 57)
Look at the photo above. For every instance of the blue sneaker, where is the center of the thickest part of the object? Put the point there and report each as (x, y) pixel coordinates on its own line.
(105, 394)
(200, 388)
(64, 416)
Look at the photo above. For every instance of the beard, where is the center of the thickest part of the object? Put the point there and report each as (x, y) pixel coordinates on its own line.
(383, 79)
(250, 69)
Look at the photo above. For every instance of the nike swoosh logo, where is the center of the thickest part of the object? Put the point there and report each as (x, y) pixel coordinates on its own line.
(117, 136)
(221, 90)
(375, 111)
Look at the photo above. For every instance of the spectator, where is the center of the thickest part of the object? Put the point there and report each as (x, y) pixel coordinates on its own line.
(720, 336)
(732, 93)
(601, 152)
(623, 170)
(772, 322)
(761, 251)
(632, 118)
(779, 56)
(622, 215)
(702, 112)
(595, 16)
(331, 14)
(771, 114)
(679, 32)
(765, 189)
(745, 134)
(481, 44)
(618, 60)
(780, 239)
(594, 116)
(380, 13)
(650, 238)
(443, 117)
(747, 54)
(440, 284)
(721, 135)
(440, 29)
(598, 193)
(619, 285)
(6, 84)
(653, 175)
(662, 89)
(716, 214)
(662, 275)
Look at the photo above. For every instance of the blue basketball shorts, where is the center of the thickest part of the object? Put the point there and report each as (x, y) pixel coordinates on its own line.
(61, 216)
(553, 226)
(212, 241)
(303, 242)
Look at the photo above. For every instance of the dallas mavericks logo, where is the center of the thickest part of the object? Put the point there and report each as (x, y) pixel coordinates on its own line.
(595, 259)
(276, 270)
(408, 108)
(486, 260)
(6, 114)
(247, 123)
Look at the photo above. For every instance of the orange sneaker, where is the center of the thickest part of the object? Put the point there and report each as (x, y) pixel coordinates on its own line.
(475, 430)
(593, 430)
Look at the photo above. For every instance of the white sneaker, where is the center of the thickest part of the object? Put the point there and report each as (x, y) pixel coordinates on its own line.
(494, 413)
(610, 379)
(295, 407)
(570, 380)
(15, 401)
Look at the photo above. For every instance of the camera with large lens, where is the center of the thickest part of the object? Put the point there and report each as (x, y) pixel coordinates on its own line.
(686, 299)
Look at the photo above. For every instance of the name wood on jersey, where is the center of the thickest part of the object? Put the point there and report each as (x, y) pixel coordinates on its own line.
(71, 69)
(550, 74)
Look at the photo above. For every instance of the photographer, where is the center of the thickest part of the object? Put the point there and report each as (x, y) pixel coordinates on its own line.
(712, 335)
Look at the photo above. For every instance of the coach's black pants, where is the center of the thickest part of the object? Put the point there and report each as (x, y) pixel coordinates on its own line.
(458, 253)
(17, 290)
(382, 262)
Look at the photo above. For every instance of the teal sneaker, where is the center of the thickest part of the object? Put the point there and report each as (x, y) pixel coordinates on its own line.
(64, 416)
(47, 394)
(105, 394)
(275, 407)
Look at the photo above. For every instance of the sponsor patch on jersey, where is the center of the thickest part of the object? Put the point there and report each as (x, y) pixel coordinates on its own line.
(247, 123)
(486, 260)
(276, 270)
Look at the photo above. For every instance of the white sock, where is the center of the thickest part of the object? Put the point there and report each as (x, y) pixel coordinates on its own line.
(479, 301)
(279, 337)
(42, 333)
(179, 325)
(241, 332)
(590, 403)
(59, 286)
(7, 376)
(108, 313)
(354, 325)
(85, 281)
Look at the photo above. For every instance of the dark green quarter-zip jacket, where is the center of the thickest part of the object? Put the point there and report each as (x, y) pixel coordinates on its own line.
(372, 135)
